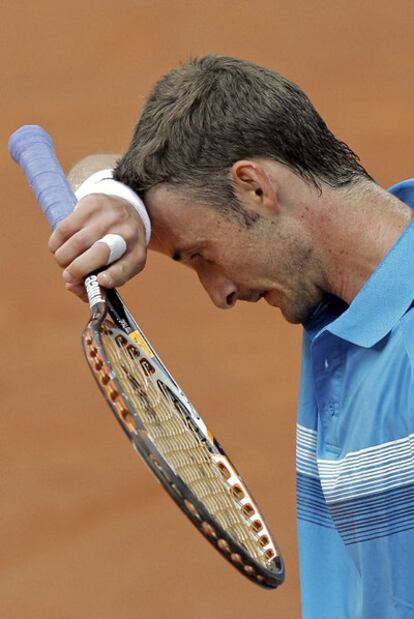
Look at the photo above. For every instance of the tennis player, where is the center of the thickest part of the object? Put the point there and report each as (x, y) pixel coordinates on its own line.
(244, 183)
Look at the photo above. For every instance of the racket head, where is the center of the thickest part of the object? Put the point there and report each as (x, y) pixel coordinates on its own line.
(153, 411)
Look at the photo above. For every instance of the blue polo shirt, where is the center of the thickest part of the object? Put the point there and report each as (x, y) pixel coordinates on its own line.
(355, 446)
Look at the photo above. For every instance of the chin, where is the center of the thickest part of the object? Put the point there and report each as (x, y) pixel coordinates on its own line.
(295, 312)
(294, 317)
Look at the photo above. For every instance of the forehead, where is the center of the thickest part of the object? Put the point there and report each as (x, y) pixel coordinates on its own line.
(178, 221)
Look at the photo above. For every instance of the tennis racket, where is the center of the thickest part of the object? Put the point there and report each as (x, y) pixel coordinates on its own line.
(157, 417)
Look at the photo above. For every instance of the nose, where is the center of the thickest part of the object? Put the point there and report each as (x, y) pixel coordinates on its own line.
(221, 290)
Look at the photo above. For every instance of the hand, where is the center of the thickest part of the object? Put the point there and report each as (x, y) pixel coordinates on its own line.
(72, 242)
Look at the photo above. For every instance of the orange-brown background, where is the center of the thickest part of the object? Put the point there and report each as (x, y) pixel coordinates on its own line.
(85, 531)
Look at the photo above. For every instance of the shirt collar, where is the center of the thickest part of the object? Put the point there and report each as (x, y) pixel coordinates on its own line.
(387, 294)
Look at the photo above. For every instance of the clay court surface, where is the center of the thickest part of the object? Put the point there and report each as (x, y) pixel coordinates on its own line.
(85, 531)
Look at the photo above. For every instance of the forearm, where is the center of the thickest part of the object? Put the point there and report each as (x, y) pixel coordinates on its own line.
(90, 164)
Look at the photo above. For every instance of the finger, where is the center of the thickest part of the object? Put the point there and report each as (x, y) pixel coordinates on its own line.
(78, 244)
(91, 260)
(94, 207)
(67, 228)
(78, 290)
(123, 269)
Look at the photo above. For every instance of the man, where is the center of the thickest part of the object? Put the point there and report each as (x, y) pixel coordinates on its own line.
(245, 184)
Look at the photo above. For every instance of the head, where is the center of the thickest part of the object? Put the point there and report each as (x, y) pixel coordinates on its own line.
(216, 131)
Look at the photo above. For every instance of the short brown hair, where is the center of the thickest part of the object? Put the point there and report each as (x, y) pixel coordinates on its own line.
(215, 110)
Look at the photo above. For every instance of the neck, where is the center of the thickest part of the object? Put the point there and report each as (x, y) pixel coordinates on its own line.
(356, 228)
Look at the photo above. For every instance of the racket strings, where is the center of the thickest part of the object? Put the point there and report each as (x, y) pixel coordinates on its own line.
(177, 440)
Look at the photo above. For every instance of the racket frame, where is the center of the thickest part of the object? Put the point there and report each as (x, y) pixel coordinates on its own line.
(111, 303)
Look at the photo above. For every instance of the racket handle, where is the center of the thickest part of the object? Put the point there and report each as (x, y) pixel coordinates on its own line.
(32, 148)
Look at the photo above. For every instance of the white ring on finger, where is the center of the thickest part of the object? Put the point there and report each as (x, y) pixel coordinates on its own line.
(116, 244)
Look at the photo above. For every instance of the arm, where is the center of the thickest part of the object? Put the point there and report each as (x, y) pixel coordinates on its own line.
(73, 241)
(87, 166)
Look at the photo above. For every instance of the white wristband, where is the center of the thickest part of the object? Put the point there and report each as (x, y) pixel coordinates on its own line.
(102, 182)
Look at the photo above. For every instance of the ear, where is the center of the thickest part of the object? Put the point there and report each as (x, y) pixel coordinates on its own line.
(253, 186)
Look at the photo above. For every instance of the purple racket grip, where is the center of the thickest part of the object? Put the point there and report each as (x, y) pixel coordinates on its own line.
(32, 148)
